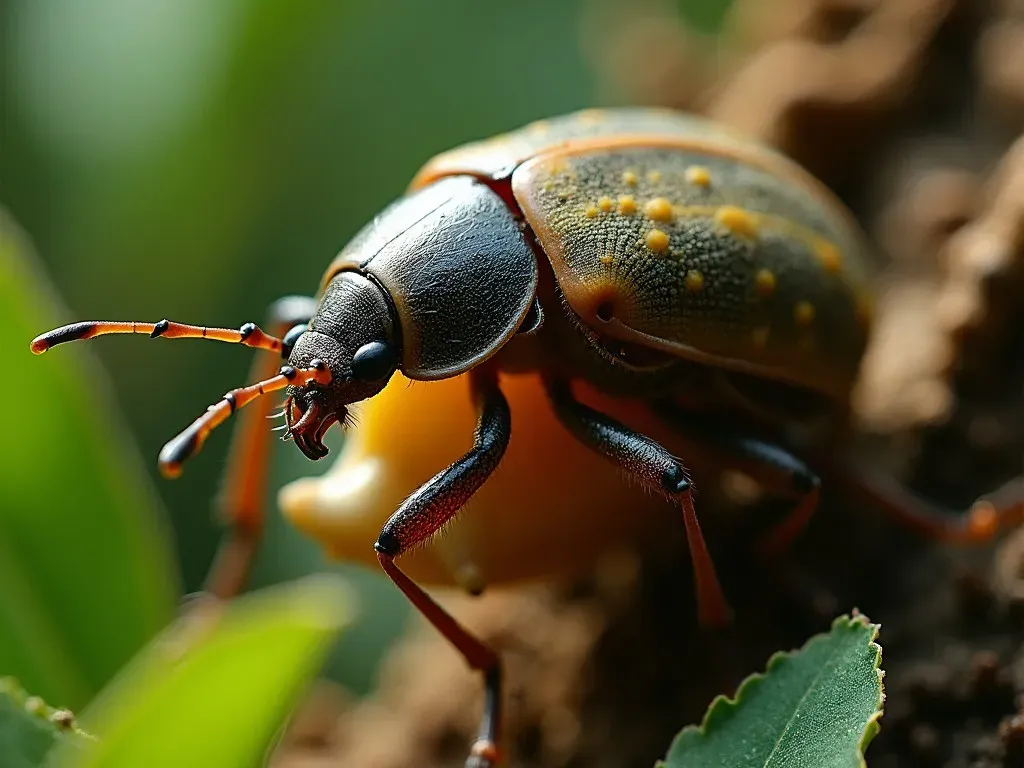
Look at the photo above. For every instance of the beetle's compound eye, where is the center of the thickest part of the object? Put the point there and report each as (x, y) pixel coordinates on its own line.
(374, 361)
(288, 342)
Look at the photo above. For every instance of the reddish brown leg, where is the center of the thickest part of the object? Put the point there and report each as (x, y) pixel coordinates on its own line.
(423, 514)
(242, 498)
(770, 464)
(659, 470)
(999, 510)
(783, 473)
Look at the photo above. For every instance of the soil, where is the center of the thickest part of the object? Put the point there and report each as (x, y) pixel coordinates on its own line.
(910, 109)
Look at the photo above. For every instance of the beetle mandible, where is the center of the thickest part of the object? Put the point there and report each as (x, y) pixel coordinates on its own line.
(607, 266)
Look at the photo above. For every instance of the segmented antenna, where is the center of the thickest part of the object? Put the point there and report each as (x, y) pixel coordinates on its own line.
(191, 439)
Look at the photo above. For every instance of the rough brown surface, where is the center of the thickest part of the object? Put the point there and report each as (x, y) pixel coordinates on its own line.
(913, 111)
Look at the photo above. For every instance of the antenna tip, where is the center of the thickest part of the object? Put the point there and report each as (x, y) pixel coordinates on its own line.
(173, 455)
(65, 333)
(169, 470)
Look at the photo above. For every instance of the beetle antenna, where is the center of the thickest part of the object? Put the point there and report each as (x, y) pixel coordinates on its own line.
(189, 441)
(249, 334)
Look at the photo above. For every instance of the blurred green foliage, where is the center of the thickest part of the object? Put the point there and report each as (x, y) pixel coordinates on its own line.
(705, 15)
(86, 572)
(195, 160)
(214, 693)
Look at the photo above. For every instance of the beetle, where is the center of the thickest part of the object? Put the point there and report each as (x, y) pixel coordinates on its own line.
(628, 266)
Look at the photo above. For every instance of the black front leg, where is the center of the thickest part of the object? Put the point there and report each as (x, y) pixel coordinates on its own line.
(423, 514)
(659, 470)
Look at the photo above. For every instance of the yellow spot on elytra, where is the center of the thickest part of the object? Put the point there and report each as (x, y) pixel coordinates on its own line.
(765, 282)
(803, 313)
(540, 127)
(737, 221)
(606, 204)
(658, 209)
(566, 191)
(654, 176)
(656, 240)
(630, 178)
(627, 205)
(698, 175)
(694, 281)
(558, 166)
(760, 336)
(829, 256)
(591, 212)
(590, 116)
(606, 258)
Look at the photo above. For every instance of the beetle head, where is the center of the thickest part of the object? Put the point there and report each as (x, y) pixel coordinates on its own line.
(354, 334)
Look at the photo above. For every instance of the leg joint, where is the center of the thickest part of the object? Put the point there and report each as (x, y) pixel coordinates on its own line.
(805, 481)
(388, 544)
(674, 480)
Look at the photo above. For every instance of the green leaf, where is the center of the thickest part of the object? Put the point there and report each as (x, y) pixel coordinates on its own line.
(29, 728)
(814, 708)
(86, 572)
(222, 701)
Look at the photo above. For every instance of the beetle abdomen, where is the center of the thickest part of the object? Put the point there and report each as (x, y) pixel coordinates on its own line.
(704, 251)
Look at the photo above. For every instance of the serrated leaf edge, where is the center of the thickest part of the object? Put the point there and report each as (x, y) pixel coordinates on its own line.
(721, 703)
(37, 709)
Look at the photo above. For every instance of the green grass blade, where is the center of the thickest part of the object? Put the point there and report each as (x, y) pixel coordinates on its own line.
(814, 708)
(223, 701)
(86, 573)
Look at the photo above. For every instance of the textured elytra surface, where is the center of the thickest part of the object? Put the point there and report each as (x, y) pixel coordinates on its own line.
(712, 257)
(497, 156)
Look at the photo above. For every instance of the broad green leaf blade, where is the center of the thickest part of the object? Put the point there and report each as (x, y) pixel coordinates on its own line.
(86, 572)
(813, 708)
(222, 702)
(29, 728)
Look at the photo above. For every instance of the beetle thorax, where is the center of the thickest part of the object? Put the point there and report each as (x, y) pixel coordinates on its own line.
(353, 333)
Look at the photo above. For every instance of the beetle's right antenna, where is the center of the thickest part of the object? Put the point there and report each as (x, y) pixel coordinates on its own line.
(191, 439)
(249, 334)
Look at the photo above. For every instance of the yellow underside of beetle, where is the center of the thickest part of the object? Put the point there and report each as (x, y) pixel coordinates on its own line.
(551, 507)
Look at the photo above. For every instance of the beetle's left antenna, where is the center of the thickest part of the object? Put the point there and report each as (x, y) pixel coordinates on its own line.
(191, 439)
(249, 334)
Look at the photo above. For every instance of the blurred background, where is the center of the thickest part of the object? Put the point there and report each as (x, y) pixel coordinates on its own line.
(195, 160)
